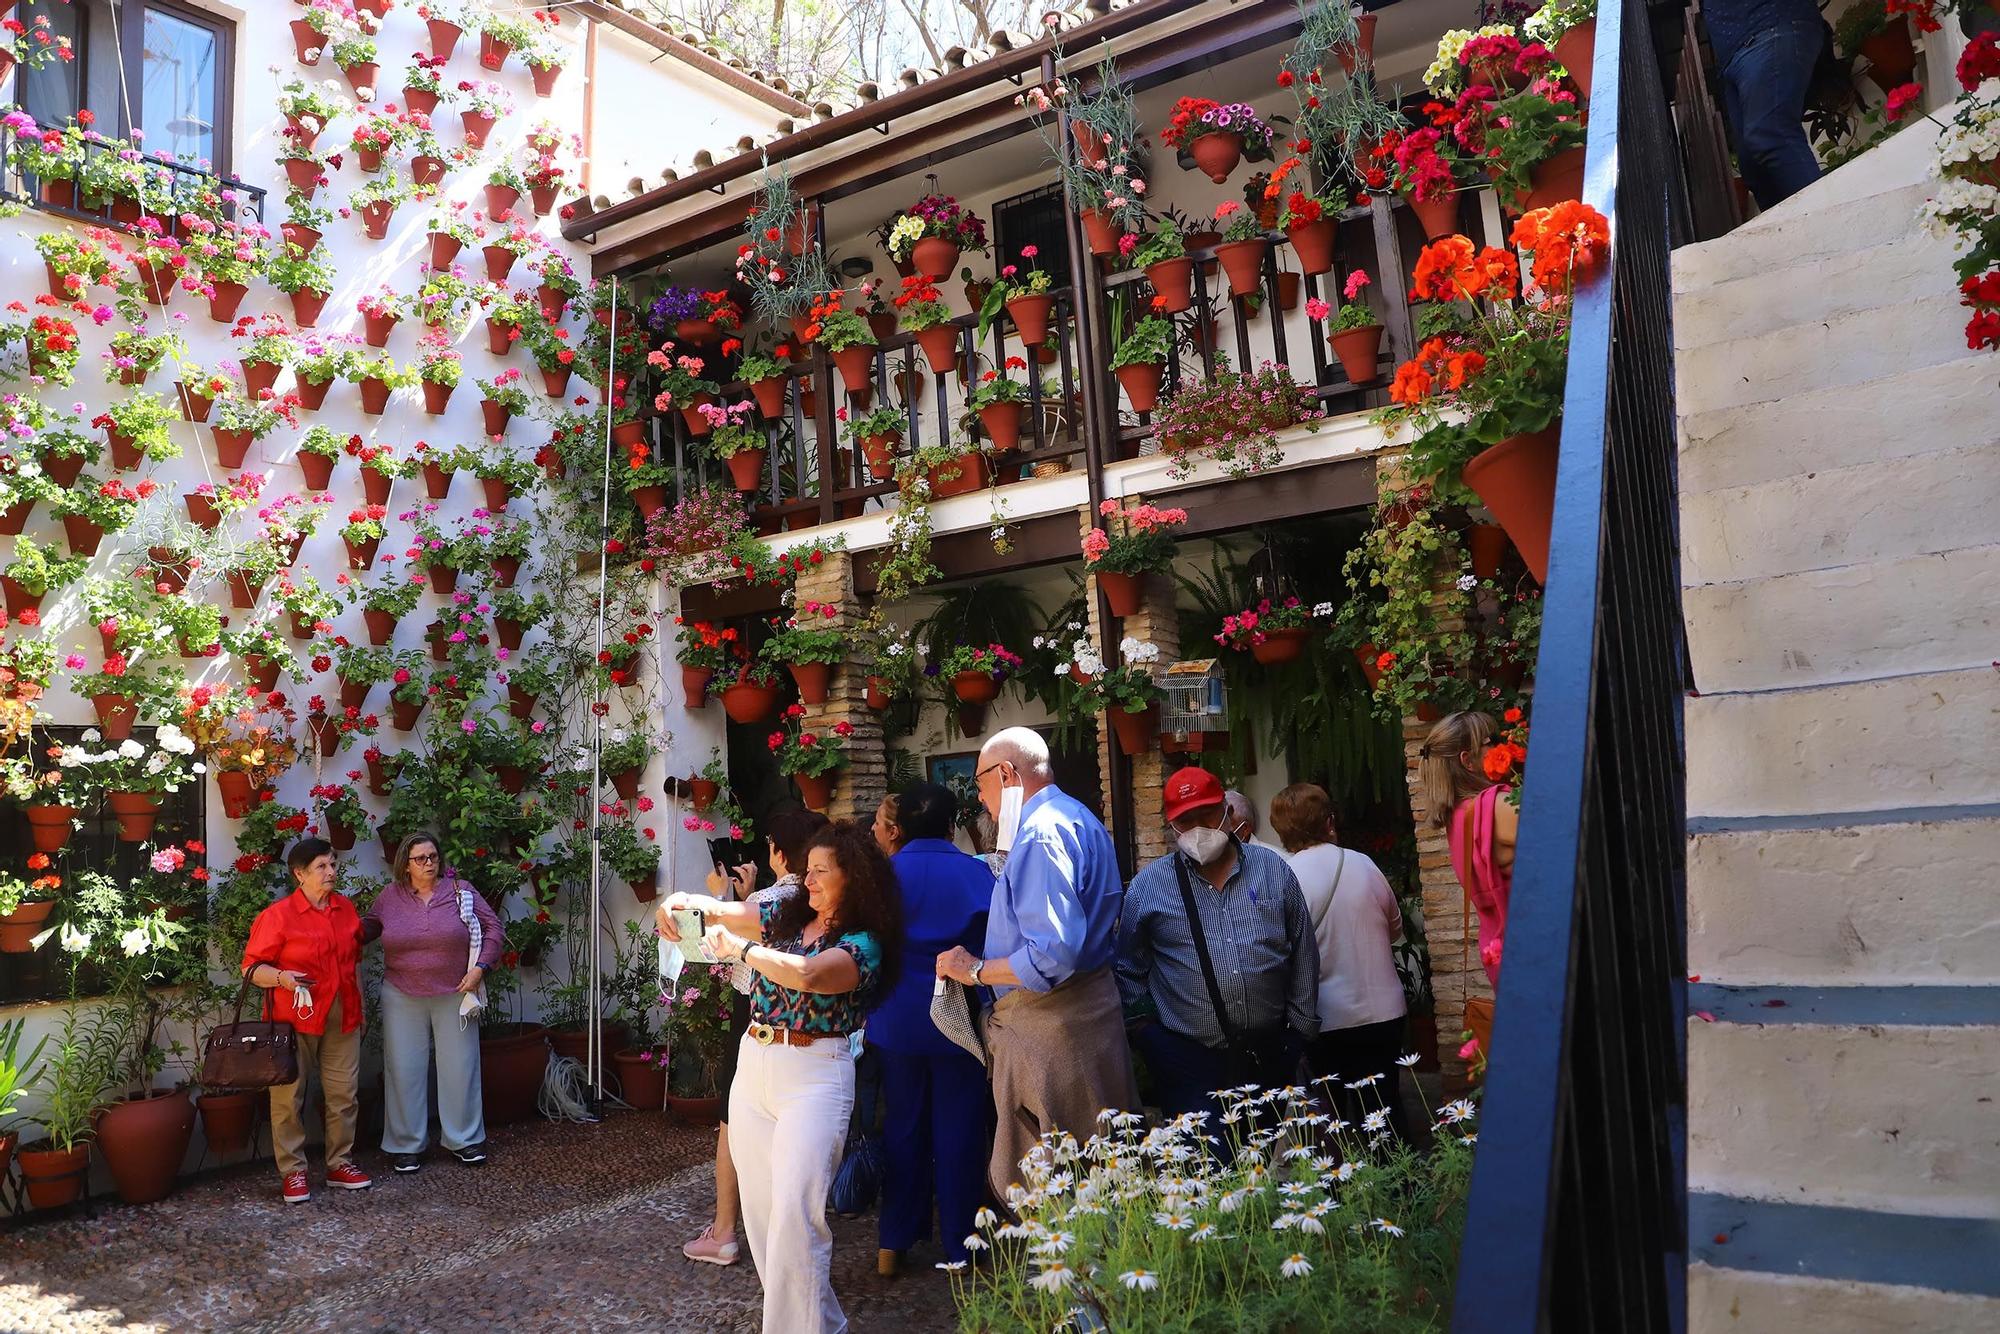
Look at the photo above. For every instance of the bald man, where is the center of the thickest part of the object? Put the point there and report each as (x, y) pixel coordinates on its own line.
(1241, 820)
(1055, 1038)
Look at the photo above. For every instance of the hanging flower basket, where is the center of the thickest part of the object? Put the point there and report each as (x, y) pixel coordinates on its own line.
(1280, 646)
(975, 687)
(934, 257)
(1516, 479)
(749, 702)
(694, 685)
(1217, 153)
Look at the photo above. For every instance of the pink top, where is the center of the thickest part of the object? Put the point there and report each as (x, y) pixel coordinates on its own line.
(426, 945)
(1485, 882)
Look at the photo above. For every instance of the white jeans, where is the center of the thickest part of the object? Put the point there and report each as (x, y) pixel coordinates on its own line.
(414, 1027)
(788, 1113)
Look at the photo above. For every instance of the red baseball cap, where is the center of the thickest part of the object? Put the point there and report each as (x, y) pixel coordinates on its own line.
(1191, 789)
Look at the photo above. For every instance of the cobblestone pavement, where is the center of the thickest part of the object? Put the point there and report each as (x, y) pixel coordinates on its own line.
(568, 1228)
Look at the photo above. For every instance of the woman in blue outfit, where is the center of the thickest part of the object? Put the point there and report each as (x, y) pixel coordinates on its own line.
(940, 1114)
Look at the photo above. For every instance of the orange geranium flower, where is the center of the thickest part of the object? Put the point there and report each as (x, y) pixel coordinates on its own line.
(1437, 268)
(1411, 386)
(1567, 241)
(1452, 270)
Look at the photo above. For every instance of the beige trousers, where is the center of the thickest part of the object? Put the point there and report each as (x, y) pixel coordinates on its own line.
(336, 1056)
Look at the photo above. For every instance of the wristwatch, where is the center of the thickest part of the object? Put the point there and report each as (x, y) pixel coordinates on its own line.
(977, 966)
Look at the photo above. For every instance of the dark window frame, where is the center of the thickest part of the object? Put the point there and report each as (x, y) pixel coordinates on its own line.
(1049, 210)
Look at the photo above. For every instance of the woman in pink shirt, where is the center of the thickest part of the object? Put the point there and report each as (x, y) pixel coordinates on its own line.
(1482, 826)
(440, 939)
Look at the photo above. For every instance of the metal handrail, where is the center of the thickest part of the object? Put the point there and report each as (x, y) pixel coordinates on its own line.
(182, 182)
(1577, 1216)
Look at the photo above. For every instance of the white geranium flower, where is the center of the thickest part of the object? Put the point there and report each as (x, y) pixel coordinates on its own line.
(129, 749)
(91, 736)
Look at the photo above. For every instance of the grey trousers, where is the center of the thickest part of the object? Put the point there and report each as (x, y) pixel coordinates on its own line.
(413, 1028)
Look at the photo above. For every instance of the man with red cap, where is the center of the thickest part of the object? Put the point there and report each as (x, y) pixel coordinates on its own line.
(1217, 965)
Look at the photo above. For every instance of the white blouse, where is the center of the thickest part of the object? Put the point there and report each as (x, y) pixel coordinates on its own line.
(1355, 918)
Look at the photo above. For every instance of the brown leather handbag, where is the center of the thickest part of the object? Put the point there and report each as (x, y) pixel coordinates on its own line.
(260, 1054)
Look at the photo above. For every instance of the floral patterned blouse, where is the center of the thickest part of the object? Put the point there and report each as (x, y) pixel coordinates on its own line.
(812, 1012)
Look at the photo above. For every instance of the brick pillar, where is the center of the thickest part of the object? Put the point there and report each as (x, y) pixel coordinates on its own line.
(861, 786)
(1451, 927)
(1158, 623)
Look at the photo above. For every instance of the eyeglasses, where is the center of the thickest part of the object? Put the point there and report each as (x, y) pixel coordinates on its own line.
(424, 858)
(987, 770)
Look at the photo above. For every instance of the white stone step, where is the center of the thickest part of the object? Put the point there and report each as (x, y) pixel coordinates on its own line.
(1904, 741)
(1900, 415)
(1923, 613)
(1738, 1301)
(1912, 265)
(1842, 516)
(1779, 242)
(1868, 1113)
(1733, 372)
(1913, 897)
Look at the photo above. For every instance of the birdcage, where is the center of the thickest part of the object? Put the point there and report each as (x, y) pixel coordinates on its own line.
(1194, 708)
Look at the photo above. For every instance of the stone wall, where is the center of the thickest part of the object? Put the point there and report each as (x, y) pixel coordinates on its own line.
(1156, 622)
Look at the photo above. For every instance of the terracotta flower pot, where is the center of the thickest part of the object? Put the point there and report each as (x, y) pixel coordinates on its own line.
(499, 199)
(1243, 262)
(770, 396)
(1217, 153)
(143, 1140)
(973, 470)
(520, 703)
(642, 1081)
(493, 52)
(1280, 646)
(362, 76)
(1555, 181)
(499, 262)
(306, 42)
(1002, 424)
(444, 37)
(1516, 479)
(553, 301)
(1438, 217)
(1141, 382)
(49, 826)
(1100, 232)
(934, 257)
(815, 790)
(703, 792)
(259, 377)
(878, 694)
(437, 397)
(226, 1119)
(544, 78)
(856, 365)
(403, 715)
(427, 169)
(136, 813)
(813, 679)
(375, 218)
(318, 470)
(510, 631)
(512, 1058)
(443, 578)
(748, 702)
(1173, 279)
(645, 888)
(695, 1111)
(1891, 55)
(377, 328)
(444, 249)
(374, 396)
(263, 672)
(477, 126)
(975, 687)
(15, 518)
(54, 1177)
(1359, 351)
(83, 535)
(19, 928)
(940, 345)
(63, 470)
(238, 797)
(626, 784)
(312, 393)
(555, 383)
(19, 599)
(1031, 318)
(243, 590)
(880, 452)
(1575, 49)
(746, 468)
(361, 555)
(1126, 592)
(1312, 242)
(1135, 731)
(694, 685)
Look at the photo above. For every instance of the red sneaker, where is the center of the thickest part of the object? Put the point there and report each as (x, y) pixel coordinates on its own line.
(348, 1177)
(295, 1188)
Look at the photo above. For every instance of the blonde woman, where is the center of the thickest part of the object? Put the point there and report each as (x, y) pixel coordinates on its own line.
(1481, 825)
(440, 939)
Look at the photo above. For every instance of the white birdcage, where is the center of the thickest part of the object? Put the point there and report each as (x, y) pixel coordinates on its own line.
(1194, 708)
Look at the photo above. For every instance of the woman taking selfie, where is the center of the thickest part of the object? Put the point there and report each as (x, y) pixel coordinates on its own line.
(440, 939)
(820, 953)
(303, 950)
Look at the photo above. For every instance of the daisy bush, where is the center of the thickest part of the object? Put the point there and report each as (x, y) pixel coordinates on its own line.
(1280, 1217)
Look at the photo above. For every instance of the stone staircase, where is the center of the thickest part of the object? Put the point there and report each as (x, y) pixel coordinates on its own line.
(1840, 510)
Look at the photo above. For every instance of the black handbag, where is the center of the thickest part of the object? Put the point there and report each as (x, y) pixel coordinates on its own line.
(1266, 1057)
(260, 1054)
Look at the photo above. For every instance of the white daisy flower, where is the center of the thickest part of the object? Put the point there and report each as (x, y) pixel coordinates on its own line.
(1311, 1225)
(1206, 1232)
(984, 1218)
(1173, 1221)
(951, 1266)
(1375, 1120)
(1384, 1225)
(1408, 1059)
(974, 1242)
(1054, 1278)
(1139, 1280)
(1295, 1266)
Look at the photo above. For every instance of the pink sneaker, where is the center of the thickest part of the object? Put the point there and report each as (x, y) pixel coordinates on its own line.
(348, 1177)
(711, 1250)
(295, 1188)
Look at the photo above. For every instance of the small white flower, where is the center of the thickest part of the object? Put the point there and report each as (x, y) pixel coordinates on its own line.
(1384, 1225)
(1454, 1112)
(1139, 1280)
(975, 1242)
(73, 940)
(133, 942)
(1295, 1266)
(1408, 1059)
(1466, 583)
(1054, 1278)
(1206, 1232)
(129, 749)
(1173, 1221)
(1311, 1225)
(951, 1266)
(1375, 1120)
(91, 736)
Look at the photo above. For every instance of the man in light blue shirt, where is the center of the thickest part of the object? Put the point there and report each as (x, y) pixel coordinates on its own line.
(1055, 1037)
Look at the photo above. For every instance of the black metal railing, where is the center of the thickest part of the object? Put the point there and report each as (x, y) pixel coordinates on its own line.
(1579, 1192)
(164, 190)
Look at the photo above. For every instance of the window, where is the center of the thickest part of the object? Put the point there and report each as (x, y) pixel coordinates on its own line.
(43, 975)
(158, 67)
(1034, 219)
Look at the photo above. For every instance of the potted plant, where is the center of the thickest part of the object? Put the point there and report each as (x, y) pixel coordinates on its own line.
(354, 53)
(377, 376)
(1163, 255)
(1535, 144)
(1273, 632)
(502, 477)
(633, 858)
(90, 509)
(481, 105)
(1569, 29)
(933, 233)
(809, 647)
(139, 429)
(767, 374)
(1137, 540)
(1233, 420)
(134, 355)
(999, 401)
(705, 650)
(1126, 694)
(71, 1084)
(362, 535)
(879, 434)
(811, 758)
(25, 906)
(545, 61)
(849, 340)
(1215, 136)
(501, 399)
(976, 672)
(319, 450)
(735, 440)
(624, 757)
(438, 369)
(1140, 360)
(381, 311)
(696, 1031)
(1026, 297)
(749, 691)
(375, 202)
(554, 355)
(380, 468)
(317, 363)
(1355, 333)
(922, 311)
(34, 573)
(75, 263)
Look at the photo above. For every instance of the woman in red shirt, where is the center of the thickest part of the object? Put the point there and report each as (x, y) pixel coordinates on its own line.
(303, 950)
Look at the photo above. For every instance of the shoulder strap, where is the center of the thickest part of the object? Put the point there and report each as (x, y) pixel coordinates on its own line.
(1201, 951)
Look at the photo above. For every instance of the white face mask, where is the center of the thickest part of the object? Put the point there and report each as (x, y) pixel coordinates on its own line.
(1010, 818)
(1203, 847)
